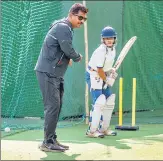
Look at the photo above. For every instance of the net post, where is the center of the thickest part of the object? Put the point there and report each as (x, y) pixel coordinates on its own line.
(86, 65)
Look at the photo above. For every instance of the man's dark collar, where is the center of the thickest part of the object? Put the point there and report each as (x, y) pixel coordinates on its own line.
(69, 23)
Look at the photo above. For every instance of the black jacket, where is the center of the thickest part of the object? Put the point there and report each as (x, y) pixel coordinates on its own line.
(57, 50)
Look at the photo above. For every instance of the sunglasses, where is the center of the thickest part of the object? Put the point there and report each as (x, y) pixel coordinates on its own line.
(81, 18)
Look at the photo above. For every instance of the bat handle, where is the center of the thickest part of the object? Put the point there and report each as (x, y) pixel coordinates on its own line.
(105, 86)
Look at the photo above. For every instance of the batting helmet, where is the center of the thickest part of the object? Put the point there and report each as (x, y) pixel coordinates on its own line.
(108, 32)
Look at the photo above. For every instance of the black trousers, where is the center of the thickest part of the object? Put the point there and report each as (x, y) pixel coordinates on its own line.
(52, 90)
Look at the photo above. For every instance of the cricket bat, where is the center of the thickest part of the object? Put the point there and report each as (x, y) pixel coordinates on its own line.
(123, 54)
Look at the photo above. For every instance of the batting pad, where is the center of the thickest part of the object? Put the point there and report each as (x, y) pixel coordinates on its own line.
(96, 112)
(107, 112)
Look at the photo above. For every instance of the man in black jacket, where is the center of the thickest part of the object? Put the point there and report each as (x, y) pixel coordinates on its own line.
(55, 55)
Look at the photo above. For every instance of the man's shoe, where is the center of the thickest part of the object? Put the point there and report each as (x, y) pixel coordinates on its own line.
(109, 133)
(95, 134)
(63, 146)
(49, 147)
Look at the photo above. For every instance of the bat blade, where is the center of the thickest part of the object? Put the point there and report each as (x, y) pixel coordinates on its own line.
(124, 52)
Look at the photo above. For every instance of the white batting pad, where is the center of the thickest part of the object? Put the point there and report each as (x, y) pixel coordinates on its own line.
(107, 112)
(95, 113)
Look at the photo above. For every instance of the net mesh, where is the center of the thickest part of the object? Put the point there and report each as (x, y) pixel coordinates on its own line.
(144, 19)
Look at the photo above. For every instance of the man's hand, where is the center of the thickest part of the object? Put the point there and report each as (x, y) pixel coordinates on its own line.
(79, 60)
(80, 57)
(70, 62)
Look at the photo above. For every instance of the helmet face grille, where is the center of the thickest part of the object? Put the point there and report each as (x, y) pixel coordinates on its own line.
(108, 32)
